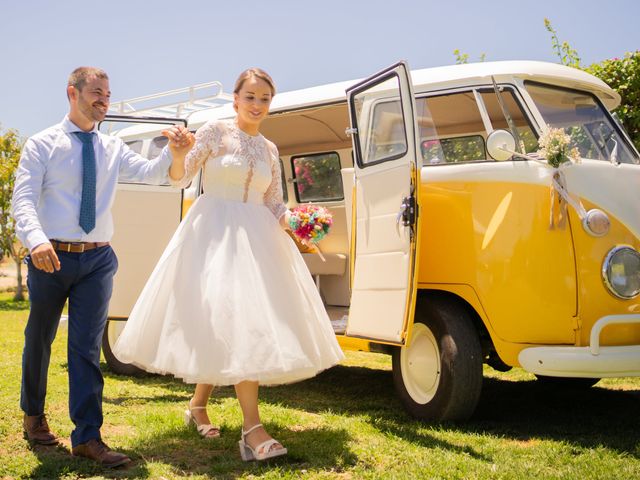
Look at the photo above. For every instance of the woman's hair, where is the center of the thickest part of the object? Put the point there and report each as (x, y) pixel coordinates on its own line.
(254, 72)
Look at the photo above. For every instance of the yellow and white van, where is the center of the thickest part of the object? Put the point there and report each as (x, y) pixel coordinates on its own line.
(451, 246)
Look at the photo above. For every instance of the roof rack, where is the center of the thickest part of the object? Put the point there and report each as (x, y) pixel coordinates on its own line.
(178, 103)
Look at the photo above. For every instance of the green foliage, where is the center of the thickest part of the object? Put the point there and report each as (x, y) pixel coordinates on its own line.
(568, 56)
(623, 75)
(10, 148)
(318, 177)
(464, 57)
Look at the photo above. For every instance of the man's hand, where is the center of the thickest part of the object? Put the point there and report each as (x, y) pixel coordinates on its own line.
(180, 140)
(44, 258)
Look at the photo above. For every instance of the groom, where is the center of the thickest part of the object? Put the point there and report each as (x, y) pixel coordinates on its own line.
(64, 189)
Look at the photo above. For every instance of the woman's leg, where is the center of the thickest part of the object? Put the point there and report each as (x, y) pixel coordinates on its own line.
(200, 398)
(247, 393)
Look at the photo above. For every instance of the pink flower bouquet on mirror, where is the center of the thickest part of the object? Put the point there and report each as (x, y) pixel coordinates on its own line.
(310, 224)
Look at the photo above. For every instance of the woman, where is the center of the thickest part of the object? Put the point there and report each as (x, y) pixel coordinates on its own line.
(231, 301)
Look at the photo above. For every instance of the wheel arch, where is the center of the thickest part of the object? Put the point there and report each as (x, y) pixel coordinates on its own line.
(489, 351)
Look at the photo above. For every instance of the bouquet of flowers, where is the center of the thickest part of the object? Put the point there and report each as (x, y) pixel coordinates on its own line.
(310, 223)
(554, 147)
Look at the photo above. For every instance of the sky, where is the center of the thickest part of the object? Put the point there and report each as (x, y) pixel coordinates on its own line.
(153, 46)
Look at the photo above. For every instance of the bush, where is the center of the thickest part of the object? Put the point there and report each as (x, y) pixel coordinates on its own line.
(623, 75)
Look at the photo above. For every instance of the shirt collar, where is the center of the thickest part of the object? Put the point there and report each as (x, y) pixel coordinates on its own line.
(69, 127)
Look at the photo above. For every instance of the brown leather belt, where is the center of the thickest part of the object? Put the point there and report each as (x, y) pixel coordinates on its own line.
(76, 247)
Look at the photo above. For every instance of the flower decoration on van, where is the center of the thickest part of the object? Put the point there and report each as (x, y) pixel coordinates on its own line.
(555, 147)
(556, 150)
(310, 223)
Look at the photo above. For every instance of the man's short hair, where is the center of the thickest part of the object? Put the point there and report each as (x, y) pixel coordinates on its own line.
(81, 75)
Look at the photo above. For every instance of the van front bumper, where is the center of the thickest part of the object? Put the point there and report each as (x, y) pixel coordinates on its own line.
(593, 361)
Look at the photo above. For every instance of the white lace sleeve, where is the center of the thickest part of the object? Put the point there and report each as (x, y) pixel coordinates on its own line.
(207, 145)
(273, 196)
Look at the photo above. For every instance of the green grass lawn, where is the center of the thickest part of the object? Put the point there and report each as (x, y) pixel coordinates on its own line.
(346, 423)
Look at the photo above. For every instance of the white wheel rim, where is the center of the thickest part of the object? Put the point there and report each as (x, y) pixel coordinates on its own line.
(420, 364)
(114, 329)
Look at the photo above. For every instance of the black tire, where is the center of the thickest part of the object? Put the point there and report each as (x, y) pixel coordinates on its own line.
(567, 383)
(108, 338)
(445, 348)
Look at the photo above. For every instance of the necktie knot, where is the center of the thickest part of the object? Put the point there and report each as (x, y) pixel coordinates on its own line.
(84, 137)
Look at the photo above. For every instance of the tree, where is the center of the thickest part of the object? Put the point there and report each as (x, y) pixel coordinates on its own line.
(621, 74)
(10, 147)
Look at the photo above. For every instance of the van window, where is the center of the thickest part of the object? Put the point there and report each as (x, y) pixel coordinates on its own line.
(317, 177)
(584, 119)
(383, 138)
(452, 150)
(156, 146)
(388, 138)
(452, 129)
(135, 145)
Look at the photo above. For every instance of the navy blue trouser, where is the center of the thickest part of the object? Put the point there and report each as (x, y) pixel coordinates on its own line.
(86, 279)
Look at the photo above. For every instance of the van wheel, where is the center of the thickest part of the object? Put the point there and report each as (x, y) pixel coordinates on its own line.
(112, 331)
(568, 383)
(438, 376)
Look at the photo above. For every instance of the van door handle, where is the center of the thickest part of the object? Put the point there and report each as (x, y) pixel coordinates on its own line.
(407, 213)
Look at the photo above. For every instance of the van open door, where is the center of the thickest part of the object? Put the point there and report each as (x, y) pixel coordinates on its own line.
(387, 181)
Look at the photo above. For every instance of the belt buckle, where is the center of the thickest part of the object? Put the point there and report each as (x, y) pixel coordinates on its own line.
(76, 244)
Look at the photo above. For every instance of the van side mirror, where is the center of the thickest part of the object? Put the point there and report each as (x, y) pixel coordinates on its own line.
(500, 144)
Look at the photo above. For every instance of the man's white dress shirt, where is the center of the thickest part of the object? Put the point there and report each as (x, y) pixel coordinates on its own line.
(48, 186)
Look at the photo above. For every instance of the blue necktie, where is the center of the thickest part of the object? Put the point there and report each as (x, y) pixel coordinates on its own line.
(87, 219)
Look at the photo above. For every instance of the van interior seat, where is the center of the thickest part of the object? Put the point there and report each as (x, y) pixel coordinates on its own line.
(334, 264)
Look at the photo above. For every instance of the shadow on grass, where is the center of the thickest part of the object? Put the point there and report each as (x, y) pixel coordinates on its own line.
(13, 306)
(57, 462)
(317, 449)
(520, 410)
(587, 417)
(343, 390)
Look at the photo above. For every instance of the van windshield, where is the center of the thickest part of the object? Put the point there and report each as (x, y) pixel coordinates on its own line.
(585, 120)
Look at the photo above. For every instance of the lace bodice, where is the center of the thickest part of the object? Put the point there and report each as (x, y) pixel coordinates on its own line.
(237, 166)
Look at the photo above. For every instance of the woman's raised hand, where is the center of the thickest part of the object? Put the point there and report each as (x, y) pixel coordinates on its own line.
(180, 140)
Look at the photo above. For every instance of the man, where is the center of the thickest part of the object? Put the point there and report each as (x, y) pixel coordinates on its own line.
(64, 189)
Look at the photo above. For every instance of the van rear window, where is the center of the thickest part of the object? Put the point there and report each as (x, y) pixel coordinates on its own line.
(317, 177)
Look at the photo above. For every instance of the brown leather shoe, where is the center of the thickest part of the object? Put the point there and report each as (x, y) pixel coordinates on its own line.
(99, 451)
(36, 430)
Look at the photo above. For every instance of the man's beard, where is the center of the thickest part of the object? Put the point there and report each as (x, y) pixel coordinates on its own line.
(90, 112)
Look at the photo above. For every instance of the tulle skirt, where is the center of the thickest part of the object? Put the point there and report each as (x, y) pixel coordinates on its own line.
(230, 299)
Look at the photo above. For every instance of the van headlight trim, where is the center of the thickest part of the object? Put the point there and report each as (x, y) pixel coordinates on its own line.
(621, 272)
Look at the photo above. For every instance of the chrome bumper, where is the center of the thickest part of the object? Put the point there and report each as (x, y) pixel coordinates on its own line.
(594, 361)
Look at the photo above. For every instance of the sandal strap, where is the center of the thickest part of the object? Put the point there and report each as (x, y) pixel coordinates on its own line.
(247, 432)
(205, 428)
(191, 407)
(265, 446)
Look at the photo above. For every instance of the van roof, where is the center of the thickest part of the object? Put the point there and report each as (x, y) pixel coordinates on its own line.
(427, 79)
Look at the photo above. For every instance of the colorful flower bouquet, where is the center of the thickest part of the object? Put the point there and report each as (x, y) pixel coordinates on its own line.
(310, 224)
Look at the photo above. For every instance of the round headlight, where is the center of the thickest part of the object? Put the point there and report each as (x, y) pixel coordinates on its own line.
(621, 272)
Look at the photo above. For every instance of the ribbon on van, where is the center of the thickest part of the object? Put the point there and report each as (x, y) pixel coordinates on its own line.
(560, 198)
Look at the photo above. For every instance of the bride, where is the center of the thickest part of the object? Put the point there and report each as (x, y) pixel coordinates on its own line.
(231, 301)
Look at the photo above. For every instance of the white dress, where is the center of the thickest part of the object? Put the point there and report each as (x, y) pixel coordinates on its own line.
(231, 298)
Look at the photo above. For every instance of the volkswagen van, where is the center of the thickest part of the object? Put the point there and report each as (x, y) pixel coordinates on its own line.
(452, 245)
